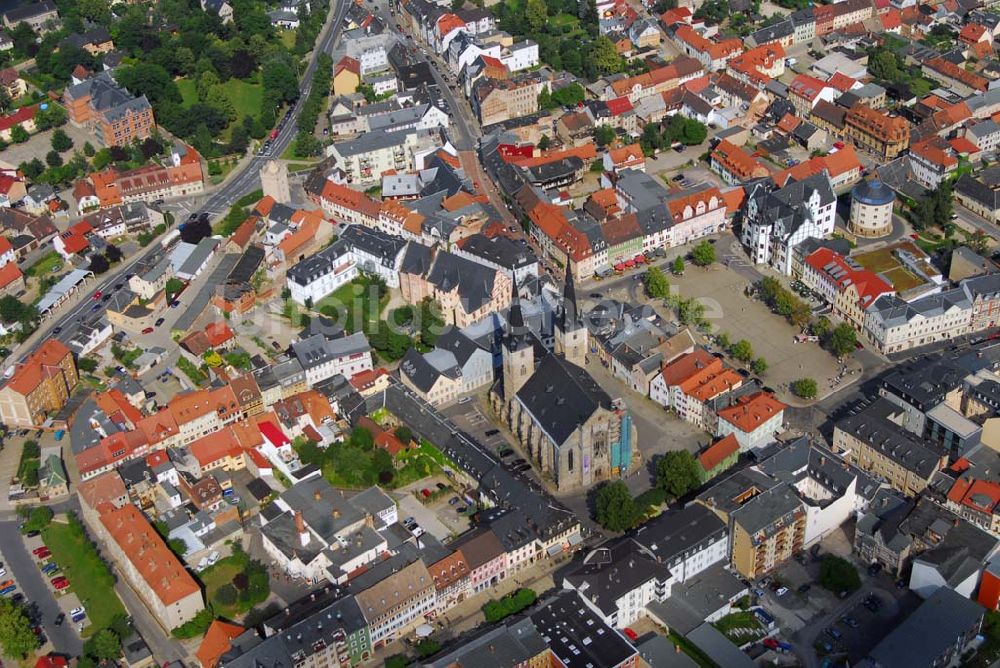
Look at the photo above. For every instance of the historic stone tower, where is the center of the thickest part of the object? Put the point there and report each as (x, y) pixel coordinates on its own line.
(571, 333)
(274, 181)
(518, 352)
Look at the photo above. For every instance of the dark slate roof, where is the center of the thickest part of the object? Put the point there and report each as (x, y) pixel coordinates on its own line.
(474, 281)
(561, 396)
(873, 426)
(612, 570)
(929, 632)
(577, 636)
(978, 191)
(499, 250)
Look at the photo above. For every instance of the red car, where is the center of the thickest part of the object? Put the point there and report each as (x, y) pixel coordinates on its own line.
(62, 584)
(97, 295)
(38, 550)
(837, 145)
(632, 635)
(148, 330)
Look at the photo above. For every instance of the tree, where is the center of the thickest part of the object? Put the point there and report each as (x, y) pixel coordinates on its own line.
(151, 80)
(113, 253)
(428, 647)
(536, 13)
(604, 135)
(36, 519)
(759, 366)
(53, 159)
(544, 143)
(87, 364)
(656, 283)
(804, 388)
(677, 473)
(19, 135)
(703, 254)
(569, 96)
(604, 56)
(99, 264)
(16, 637)
(13, 310)
(836, 574)
(226, 595)
(677, 266)
(615, 506)
(742, 351)
(841, 340)
(403, 433)
(61, 141)
(105, 645)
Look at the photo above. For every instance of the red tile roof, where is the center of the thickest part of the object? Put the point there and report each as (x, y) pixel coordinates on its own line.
(9, 273)
(217, 642)
(716, 453)
(20, 116)
(843, 274)
(163, 573)
(750, 412)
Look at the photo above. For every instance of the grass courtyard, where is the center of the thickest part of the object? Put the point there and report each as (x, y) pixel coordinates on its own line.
(235, 584)
(88, 574)
(882, 261)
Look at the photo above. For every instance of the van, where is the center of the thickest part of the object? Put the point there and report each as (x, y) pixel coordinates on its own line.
(202, 564)
(214, 557)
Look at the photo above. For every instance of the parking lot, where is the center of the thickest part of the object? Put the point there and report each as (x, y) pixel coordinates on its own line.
(818, 622)
(436, 514)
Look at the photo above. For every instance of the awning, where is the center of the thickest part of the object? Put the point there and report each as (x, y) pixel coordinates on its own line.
(424, 630)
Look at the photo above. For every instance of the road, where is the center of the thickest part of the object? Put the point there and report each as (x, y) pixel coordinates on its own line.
(242, 181)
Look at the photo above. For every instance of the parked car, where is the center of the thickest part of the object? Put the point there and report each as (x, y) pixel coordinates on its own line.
(417, 531)
(804, 588)
(454, 501)
(39, 550)
(492, 432)
(781, 591)
(8, 590)
(62, 584)
(148, 330)
(874, 569)
(409, 521)
(159, 321)
(32, 534)
(175, 303)
(465, 400)
(850, 621)
(274, 344)
(833, 633)
(506, 453)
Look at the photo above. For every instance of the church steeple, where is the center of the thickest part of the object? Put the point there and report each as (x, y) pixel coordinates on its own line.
(569, 316)
(571, 334)
(516, 328)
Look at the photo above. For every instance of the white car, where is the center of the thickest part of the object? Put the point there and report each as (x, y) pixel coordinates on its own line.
(417, 530)
(3, 572)
(781, 591)
(76, 611)
(212, 558)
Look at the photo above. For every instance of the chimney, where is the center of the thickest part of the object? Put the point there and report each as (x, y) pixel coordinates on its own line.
(300, 528)
(317, 495)
(336, 513)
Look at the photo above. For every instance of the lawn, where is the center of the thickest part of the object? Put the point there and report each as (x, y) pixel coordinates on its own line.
(89, 576)
(245, 96)
(228, 601)
(740, 627)
(902, 279)
(883, 262)
(287, 38)
(49, 263)
(352, 300)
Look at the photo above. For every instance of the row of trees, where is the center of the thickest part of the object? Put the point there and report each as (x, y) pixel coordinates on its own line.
(677, 474)
(306, 143)
(567, 96)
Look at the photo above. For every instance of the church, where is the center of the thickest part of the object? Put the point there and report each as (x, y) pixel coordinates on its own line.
(570, 427)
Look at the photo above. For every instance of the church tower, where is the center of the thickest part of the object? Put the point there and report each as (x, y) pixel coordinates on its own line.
(518, 351)
(571, 333)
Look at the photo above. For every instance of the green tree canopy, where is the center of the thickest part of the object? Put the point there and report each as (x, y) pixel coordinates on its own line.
(841, 340)
(16, 637)
(656, 283)
(616, 509)
(677, 473)
(703, 254)
(804, 388)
